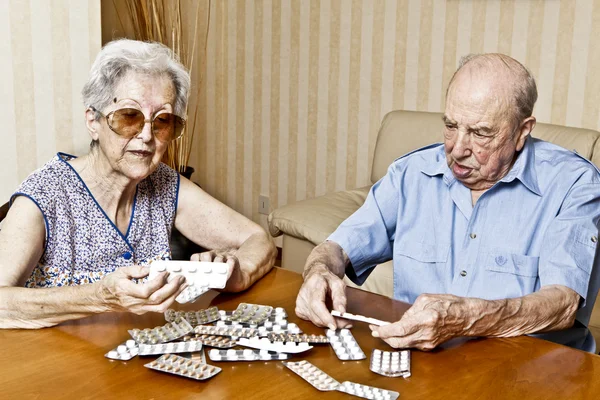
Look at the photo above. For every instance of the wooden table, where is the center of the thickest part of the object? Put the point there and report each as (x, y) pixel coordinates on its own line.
(67, 361)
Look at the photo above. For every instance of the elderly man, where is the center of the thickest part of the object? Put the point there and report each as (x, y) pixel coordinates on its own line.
(491, 234)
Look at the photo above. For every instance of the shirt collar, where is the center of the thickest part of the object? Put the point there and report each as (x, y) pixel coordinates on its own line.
(523, 169)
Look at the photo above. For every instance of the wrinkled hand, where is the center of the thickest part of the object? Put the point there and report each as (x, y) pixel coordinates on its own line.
(432, 320)
(320, 282)
(236, 279)
(120, 293)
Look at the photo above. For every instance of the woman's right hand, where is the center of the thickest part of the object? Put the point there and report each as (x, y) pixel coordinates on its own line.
(119, 293)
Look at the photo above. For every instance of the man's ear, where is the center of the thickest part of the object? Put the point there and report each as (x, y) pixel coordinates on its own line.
(91, 123)
(524, 130)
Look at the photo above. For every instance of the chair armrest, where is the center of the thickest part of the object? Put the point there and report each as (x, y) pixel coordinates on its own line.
(315, 219)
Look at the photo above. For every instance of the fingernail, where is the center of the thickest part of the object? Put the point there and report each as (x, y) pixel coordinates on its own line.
(375, 334)
(332, 327)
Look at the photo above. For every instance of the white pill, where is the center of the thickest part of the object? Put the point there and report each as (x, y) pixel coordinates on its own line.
(221, 269)
(131, 343)
(113, 354)
(121, 349)
(160, 267)
(192, 268)
(175, 268)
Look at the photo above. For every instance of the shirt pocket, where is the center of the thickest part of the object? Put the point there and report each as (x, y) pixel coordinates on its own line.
(514, 264)
(584, 248)
(423, 252)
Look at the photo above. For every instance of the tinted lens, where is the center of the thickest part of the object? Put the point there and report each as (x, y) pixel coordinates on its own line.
(127, 122)
(167, 126)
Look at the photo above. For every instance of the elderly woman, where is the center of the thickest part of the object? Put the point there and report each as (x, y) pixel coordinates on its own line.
(80, 229)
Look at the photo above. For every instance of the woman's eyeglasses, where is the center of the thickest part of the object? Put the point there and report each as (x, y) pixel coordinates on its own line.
(129, 122)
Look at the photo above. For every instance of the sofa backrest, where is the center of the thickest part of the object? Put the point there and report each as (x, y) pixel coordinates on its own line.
(404, 131)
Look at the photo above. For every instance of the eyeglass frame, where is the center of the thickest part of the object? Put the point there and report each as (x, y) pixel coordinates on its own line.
(151, 121)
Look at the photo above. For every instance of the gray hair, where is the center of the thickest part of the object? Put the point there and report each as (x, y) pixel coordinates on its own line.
(120, 56)
(523, 87)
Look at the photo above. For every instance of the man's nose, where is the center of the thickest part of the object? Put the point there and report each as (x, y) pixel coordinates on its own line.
(462, 145)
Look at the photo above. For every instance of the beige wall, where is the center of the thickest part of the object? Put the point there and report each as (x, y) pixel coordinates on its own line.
(47, 48)
(295, 89)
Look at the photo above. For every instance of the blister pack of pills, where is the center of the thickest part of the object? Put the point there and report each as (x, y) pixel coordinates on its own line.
(201, 274)
(190, 294)
(277, 316)
(251, 314)
(182, 366)
(296, 338)
(345, 346)
(195, 318)
(246, 355)
(226, 331)
(391, 363)
(124, 352)
(219, 342)
(280, 347)
(265, 329)
(162, 334)
(169, 348)
(361, 318)
(367, 392)
(313, 375)
(281, 326)
(323, 382)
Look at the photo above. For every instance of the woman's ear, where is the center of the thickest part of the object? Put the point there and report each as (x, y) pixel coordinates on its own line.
(91, 123)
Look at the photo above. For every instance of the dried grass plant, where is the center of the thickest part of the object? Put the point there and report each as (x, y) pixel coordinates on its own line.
(160, 21)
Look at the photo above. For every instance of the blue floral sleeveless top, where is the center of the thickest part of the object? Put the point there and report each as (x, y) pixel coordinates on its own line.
(82, 244)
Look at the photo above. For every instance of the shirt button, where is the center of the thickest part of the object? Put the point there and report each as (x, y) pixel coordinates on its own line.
(463, 273)
(127, 255)
(594, 239)
(473, 235)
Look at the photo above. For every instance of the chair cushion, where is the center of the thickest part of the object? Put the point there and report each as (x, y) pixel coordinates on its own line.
(315, 219)
(578, 139)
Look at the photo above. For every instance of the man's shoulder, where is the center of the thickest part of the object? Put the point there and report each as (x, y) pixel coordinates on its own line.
(551, 156)
(421, 157)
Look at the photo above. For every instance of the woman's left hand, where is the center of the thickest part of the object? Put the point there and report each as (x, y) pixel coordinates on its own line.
(235, 276)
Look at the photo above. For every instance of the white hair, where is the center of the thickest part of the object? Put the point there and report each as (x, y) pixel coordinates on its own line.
(120, 56)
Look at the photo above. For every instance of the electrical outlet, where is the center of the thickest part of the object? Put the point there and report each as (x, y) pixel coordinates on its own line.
(263, 205)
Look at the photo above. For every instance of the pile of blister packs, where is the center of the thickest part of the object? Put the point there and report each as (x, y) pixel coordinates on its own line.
(262, 332)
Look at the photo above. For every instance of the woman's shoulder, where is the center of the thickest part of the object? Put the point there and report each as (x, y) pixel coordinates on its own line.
(49, 177)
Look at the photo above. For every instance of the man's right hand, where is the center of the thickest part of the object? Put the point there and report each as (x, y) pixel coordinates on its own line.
(319, 282)
(119, 293)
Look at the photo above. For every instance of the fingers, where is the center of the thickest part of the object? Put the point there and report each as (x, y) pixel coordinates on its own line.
(338, 299)
(402, 328)
(310, 303)
(409, 332)
(338, 294)
(164, 299)
(134, 271)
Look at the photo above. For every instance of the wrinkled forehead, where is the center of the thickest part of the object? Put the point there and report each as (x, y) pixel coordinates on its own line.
(480, 91)
(146, 88)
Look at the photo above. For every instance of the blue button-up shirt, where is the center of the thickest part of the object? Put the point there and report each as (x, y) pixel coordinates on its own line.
(535, 227)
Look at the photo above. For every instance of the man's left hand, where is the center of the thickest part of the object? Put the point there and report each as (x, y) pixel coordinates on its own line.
(432, 320)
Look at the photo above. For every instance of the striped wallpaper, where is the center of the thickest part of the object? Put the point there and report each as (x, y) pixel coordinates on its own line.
(296, 89)
(47, 48)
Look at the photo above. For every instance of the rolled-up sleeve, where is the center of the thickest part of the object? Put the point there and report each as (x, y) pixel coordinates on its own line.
(570, 241)
(367, 235)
